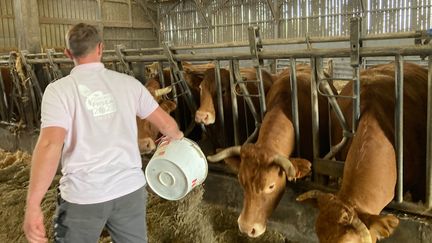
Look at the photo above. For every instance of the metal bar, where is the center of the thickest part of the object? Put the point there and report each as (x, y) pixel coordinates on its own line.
(399, 125)
(255, 46)
(234, 64)
(126, 66)
(356, 98)
(410, 208)
(201, 10)
(219, 94)
(247, 97)
(315, 113)
(274, 54)
(329, 167)
(272, 9)
(429, 139)
(294, 104)
(3, 101)
(401, 35)
(261, 97)
(149, 16)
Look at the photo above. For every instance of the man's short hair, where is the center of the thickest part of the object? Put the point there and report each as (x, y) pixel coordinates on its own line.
(81, 39)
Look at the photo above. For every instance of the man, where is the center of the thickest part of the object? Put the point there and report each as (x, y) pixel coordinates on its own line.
(88, 120)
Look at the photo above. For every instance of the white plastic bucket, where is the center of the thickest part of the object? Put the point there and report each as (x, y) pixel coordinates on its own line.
(176, 168)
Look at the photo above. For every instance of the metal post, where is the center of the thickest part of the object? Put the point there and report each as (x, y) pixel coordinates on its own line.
(232, 65)
(315, 114)
(294, 104)
(356, 43)
(399, 126)
(255, 46)
(3, 101)
(356, 98)
(220, 101)
(126, 66)
(429, 139)
(261, 97)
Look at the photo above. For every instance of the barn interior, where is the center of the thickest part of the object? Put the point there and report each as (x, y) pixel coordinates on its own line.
(142, 38)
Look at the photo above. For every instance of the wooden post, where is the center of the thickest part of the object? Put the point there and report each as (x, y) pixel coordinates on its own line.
(27, 25)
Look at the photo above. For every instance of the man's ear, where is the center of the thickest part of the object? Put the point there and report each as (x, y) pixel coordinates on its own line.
(68, 53)
(100, 48)
(303, 167)
(380, 226)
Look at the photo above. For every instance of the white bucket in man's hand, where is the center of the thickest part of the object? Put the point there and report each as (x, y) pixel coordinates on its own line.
(176, 168)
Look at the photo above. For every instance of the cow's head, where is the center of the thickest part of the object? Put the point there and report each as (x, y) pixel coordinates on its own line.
(338, 220)
(262, 175)
(152, 69)
(147, 133)
(206, 113)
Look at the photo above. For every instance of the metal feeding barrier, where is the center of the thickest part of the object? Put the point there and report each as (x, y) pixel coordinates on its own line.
(21, 90)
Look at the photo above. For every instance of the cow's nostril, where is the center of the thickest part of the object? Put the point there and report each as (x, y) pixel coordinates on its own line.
(206, 116)
(253, 231)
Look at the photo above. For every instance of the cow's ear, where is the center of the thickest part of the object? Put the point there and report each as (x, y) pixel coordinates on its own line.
(193, 78)
(234, 163)
(303, 167)
(380, 226)
(168, 105)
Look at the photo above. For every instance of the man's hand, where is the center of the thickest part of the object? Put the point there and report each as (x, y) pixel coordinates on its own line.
(33, 225)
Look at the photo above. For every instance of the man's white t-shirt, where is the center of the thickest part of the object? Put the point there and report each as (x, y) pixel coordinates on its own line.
(98, 108)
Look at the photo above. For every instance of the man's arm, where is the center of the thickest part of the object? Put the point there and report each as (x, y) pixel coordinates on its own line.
(45, 160)
(165, 123)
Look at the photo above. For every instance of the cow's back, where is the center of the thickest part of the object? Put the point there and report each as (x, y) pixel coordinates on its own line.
(279, 96)
(378, 100)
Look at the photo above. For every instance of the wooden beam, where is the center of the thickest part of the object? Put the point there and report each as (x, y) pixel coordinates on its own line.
(201, 10)
(150, 17)
(272, 9)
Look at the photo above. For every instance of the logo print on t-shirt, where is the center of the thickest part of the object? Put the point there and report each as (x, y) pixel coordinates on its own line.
(98, 102)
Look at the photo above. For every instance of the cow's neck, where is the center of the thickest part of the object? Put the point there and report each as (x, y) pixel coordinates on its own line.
(276, 132)
(370, 168)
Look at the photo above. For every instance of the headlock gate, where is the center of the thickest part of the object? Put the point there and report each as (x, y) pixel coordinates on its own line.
(24, 76)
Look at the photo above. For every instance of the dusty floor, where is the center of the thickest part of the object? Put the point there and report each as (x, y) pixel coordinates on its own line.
(188, 220)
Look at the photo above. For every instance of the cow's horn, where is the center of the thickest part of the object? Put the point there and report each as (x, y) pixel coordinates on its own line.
(164, 91)
(362, 229)
(309, 195)
(228, 152)
(288, 167)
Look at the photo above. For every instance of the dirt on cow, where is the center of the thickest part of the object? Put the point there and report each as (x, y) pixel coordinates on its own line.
(187, 220)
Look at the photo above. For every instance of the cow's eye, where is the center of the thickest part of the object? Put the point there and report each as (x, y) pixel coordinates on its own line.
(270, 188)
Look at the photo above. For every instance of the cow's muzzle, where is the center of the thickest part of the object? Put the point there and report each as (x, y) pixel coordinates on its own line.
(204, 117)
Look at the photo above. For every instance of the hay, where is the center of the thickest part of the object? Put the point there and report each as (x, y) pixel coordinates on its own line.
(14, 177)
(192, 220)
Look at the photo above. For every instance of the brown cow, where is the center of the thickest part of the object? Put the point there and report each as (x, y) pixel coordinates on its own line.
(206, 113)
(193, 75)
(264, 167)
(369, 178)
(147, 133)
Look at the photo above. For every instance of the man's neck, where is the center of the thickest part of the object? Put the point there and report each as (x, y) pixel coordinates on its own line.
(87, 59)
